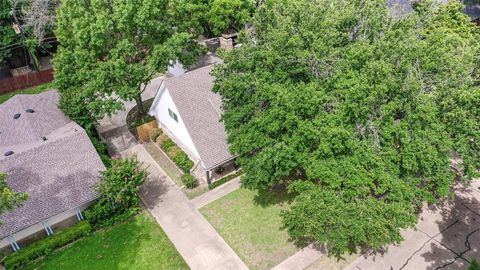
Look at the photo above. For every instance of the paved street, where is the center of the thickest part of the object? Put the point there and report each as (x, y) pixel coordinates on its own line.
(447, 237)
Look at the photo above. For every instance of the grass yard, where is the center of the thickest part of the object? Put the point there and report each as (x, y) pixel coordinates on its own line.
(139, 243)
(33, 90)
(250, 223)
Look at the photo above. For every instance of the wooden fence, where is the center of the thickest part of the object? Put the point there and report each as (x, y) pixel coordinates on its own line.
(25, 81)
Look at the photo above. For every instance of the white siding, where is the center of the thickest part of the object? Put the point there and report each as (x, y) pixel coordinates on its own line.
(160, 107)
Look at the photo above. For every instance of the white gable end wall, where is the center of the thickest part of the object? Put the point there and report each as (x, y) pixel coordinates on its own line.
(163, 102)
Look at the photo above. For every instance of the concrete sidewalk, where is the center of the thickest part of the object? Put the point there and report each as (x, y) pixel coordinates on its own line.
(447, 236)
(196, 240)
(216, 193)
(301, 259)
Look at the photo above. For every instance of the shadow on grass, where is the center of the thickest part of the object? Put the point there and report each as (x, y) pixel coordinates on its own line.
(274, 195)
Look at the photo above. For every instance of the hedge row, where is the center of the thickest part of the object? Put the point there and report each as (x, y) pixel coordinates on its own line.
(47, 245)
(225, 179)
(175, 153)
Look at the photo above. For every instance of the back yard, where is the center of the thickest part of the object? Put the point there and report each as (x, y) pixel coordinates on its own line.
(33, 90)
(136, 244)
(250, 223)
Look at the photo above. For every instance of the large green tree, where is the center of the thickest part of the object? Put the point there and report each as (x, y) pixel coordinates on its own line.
(9, 199)
(8, 38)
(358, 111)
(110, 50)
(213, 17)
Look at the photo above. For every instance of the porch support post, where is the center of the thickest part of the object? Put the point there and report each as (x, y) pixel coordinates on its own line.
(209, 180)
(79, 214)
(13, 243)
(47, 228)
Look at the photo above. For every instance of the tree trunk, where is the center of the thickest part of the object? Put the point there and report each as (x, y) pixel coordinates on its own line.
(140, 108)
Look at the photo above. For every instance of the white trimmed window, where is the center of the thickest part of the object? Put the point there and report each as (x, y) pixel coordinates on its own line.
(173, 115)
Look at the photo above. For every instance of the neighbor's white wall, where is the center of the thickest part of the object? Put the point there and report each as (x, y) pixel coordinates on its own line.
(176, 68)
(39, 227)
(178, 130)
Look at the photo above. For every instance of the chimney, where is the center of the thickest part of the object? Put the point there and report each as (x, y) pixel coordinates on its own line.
(228, 41)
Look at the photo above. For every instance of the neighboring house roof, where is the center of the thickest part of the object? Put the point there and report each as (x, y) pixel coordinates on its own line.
(58, 173)
(200, 110)
(471, 8)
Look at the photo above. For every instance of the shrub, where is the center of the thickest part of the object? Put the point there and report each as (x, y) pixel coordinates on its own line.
(161, 139)
(47, 245)
(183, 162)
(189, 181)
(167, 145)
(475, 265)
(118, 192)
(225, 179)
(101, 215)
(174, 151)
(154, 133)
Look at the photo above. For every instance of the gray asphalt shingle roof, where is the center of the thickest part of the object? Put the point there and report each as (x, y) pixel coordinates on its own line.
(200, 110)
(58, 174)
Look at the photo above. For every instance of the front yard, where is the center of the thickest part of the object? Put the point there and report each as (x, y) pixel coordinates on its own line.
(251, 224)
(136, 244)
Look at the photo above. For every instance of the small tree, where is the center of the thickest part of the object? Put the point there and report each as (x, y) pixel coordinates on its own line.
(9, 199)
(118, 191)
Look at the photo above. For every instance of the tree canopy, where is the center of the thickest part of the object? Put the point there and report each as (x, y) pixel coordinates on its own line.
(110, 50)
(9, 199)
(359, 110)
(7, 34)
(214, 17)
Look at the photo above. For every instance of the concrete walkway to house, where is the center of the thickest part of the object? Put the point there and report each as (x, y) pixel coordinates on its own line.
(216, 193)
(301, 259)
(196, 240)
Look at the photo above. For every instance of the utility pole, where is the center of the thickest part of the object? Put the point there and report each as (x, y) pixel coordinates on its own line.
(17, 23)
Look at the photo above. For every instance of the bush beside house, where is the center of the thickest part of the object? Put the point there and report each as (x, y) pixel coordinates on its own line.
(178, 156)
(175, 153)
(189, 180)
(47, 245)
(118, 193)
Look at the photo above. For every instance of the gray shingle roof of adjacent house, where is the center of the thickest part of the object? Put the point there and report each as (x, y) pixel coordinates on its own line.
(200, 110)
(58, 173)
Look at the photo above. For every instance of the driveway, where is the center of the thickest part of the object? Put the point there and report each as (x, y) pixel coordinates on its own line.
(447, 237)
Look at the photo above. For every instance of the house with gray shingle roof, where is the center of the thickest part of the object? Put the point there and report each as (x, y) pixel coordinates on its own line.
(186, 109)
(51, 158)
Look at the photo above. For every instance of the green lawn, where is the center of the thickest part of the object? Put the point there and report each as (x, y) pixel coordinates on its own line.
(33, 90)
(250, 223)
(136, 244)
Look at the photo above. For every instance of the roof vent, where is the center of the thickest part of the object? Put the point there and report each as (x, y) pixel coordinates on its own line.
(44, 138)
(16, 116)
(8, 153)
(29, 110)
